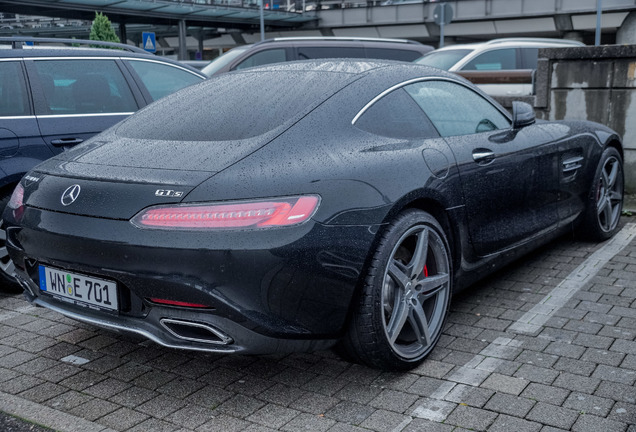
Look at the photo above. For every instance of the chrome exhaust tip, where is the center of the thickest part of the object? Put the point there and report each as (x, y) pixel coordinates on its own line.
(195, 332)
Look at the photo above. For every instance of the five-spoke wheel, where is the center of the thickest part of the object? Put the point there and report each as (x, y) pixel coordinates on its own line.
(406, 295)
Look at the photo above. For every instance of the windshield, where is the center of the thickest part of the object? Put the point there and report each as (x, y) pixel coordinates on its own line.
(443, 59)
(222, 60)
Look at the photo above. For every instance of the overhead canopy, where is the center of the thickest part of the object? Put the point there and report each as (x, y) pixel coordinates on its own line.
(239, 13)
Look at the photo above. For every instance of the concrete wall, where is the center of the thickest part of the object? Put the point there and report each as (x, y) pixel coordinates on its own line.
(591, 83)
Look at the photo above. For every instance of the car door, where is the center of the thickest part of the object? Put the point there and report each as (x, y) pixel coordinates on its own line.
(76, 98)
(20, 143)
(509, 178)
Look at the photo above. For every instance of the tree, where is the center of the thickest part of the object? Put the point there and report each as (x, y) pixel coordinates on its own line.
(102, 30)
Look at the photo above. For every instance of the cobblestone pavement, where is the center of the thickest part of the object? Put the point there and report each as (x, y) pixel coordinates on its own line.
(547, 344)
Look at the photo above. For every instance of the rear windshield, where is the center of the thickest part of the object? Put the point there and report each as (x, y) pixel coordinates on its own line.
(443, 59)
(234, 106)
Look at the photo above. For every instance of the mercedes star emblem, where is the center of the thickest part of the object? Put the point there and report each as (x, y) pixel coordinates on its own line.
(70, 194)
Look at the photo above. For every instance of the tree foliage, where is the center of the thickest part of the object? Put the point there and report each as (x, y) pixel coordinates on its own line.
(102, 29)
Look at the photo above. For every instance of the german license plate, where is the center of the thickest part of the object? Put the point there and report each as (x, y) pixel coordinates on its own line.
(78, 288)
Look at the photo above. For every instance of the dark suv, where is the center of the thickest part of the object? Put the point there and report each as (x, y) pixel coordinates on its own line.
(54, 97)
(304, 48)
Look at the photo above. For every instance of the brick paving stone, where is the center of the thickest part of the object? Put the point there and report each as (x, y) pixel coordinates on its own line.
(509, 404)
(623, 412)
(82, 380)
(505, 384)
(506, 423)
(154, 425)
(575, 366)
(107, 388)
(133, 396)
(19, 384)
(129, 371)
(592, 423)
(59, 372)
(284, 395)
(540, 359)
(577, 382)
(617, 332)
(181, 387)
(247, 385)
(419, 425)
(469, 376)
(570, 313)
(350, 412)
(592, 341)
(43, 392)
(425, 386)
(502, 367)
(544, 393)
(314, 403)
(617, 392)
(609, 373)
(391, 400)
(123, 418)
(345, 427)
(467, 345)
(385, 421)
(160, 406)
(94, 409)
(35, 366)
(433, 369)
(239, 406)
(395, 380)
(623, 346)
(471, 418)
(17, 358)
(565, 349)
(154, 379)
(629, 362)
(589, 404)
(461, 330)
(68, 400)
(536, 374)
(609, 358)
(468, 395)
(602, 318)
(552, 415)
(583, 326)
(223, 423)
(309, 423)
(324, 385)
(274, 416)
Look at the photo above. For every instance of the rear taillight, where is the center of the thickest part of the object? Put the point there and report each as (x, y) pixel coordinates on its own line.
(16, 202)
(247, 214)
(17, 198)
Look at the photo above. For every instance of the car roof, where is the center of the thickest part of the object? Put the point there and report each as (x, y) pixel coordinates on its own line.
(514, 42)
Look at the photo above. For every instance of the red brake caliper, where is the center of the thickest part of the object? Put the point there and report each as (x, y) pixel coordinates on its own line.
(425, 271)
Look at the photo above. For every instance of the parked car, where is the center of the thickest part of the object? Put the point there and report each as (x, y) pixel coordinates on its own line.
(495, 55)
(305, 48)
(54, 97)
(332, 201)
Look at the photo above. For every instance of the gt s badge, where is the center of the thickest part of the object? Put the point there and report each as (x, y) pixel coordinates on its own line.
(168, 193)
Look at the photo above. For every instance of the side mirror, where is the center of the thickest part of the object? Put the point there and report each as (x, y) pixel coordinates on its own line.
(522, 115)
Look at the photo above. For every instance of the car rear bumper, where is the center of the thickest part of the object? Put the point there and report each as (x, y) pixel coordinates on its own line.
(275, 291)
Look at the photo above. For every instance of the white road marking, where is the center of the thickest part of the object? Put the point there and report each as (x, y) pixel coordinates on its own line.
(501, 349)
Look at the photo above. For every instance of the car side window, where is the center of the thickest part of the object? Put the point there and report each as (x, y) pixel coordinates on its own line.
(13, 91)
(161, 79)
(494, 60)
(529, 57)
(455, 109)
(84, 87)
(276, 55)
(396, 115)
(314, 52)
(392, 54)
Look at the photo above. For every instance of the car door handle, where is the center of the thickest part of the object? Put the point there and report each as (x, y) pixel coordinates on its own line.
(66, 142)
(483, 156)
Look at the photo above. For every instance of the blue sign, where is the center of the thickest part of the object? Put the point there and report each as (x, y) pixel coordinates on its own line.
(149, 43)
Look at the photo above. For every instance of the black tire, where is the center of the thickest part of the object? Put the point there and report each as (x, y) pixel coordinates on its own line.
(605, 201)
(406, 295)
(8, 283)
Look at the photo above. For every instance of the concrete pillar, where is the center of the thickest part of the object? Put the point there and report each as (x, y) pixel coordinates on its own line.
(183, 49)
(626, 34)
(123, 38)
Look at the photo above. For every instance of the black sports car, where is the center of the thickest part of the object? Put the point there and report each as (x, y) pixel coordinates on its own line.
(298, 205)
